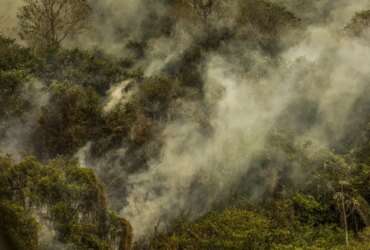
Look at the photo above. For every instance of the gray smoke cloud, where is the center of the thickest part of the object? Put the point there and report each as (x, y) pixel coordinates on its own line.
(246, 94)
(8, 17)
(196, 170)
(108, 17)
(189, 159)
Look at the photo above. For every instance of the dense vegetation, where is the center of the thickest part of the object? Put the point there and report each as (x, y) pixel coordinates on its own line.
(65, 199)
(56, 104)
(307, 214)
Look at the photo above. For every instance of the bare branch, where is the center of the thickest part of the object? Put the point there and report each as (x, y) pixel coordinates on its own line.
(45, 24)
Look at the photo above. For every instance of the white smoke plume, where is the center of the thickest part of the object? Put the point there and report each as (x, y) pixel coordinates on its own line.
(215, 163)
(195, 171)
(118, 94)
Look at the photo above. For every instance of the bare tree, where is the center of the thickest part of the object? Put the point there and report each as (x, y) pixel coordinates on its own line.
(343, 205)
(351, 206)
(45, 24)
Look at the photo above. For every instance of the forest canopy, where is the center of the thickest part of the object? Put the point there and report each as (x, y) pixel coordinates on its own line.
(212, 124)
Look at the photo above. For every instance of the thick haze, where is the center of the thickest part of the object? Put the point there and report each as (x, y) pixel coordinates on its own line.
(8, 16)
(246, 95)
(325, 68)
(16, 133)
(196, 170)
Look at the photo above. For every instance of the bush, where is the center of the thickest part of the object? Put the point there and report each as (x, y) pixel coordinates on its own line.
(359, 23)
(71, 118)
(13, 100)
(229, 229)
(60, 195)
(92, 69)
(15, 57)
(18, 227)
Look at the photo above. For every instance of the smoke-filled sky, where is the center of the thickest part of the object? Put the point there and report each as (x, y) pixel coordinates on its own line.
(321, 65)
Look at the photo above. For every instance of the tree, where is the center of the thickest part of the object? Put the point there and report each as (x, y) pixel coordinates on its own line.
(203, 7)
(15, 57)
(359, 23)
(340, 197)
(45, 24)
(69, 120)
(62, 197)
(13, 103)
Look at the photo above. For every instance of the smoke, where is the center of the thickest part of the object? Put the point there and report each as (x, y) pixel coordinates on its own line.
(8, 17)
(17, 131)
(166, 50)
(47, 235)
(107, 17)
(118, 94)
(311, 87)
(113, 24)
(333, 77)
(196, 170)
(116, 24)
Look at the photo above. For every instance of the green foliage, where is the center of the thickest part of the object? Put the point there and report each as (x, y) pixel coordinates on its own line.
(116, 127)
(136, 120)
(15, 57)
(18, 227)
(155, 95)
(266, 23)
(308, 209)
(268, 17)
(91, 69)
(69, 121)
(13, 101)
(230, 229)
(67, 197)
(294, 210)
(247, 229)
(359, 23)
(16, 64)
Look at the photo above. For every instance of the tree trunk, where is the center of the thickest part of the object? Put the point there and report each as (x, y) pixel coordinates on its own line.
(344, 214)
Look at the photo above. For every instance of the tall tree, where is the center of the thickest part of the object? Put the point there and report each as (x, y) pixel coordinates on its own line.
(45, 24)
